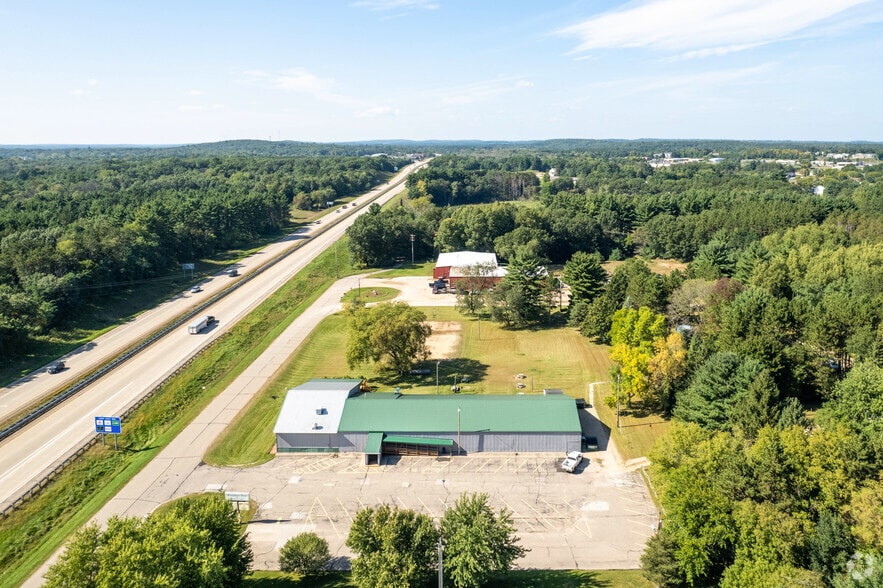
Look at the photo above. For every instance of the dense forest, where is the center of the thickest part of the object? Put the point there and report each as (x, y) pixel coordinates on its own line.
(71, 228)
(780, 310)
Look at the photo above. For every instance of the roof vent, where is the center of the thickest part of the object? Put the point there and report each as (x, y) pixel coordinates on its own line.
(316, 426)
(321, 411)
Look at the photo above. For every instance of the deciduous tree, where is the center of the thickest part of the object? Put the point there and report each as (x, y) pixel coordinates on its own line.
(395, 548)
(306, 553)
(392, 333)
(479, 543)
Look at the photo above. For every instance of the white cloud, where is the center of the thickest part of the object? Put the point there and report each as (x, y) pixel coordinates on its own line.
(481, 91)
(93, 82)
(704, 27)
(377, 111)
(195, 92)
(200, 107)
(701, 86)
(301, 80)
(387, 5)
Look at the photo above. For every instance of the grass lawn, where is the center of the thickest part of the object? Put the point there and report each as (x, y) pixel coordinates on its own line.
(515, 579)
(640, 429)
(370, 295)
(408, 269)
(657, 266)
(550, 358)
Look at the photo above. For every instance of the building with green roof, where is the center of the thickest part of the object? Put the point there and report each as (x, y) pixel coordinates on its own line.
(333, 415)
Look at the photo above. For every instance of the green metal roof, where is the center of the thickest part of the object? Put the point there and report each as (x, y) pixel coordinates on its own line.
(372, 445)
(430, 413)
(418, 441)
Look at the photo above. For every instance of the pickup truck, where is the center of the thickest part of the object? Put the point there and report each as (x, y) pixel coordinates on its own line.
(571, 462)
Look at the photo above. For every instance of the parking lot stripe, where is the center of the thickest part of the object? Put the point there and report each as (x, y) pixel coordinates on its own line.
(540, 515)
(345, 511)
(328, 516)
(588, 531)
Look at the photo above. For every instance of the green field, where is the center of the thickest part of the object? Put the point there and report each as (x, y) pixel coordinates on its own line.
(549, 358)
(515, 579)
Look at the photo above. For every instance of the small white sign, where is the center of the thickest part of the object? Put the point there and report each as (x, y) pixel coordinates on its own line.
(237, 496)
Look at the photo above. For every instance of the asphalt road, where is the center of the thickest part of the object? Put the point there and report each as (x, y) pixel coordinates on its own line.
(28, 455)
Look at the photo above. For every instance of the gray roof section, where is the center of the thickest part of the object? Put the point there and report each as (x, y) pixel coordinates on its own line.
(315, 406)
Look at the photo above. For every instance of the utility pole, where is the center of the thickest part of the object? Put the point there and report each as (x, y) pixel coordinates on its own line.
(618, 421)
(458, 431)
(412, 248)
(437, 363)
(441, 574)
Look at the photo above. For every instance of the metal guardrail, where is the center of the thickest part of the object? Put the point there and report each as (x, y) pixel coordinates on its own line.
(37, 487)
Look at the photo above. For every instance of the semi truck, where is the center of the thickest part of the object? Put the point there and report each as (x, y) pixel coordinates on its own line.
(201, 323)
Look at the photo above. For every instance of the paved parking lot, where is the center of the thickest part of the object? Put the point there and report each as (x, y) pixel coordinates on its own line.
(597, 518)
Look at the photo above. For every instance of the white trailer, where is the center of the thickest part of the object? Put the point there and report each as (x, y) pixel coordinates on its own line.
(201, 323)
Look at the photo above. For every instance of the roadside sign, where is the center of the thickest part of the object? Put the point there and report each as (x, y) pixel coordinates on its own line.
(237, 496)
(108, 425)
(188, 266)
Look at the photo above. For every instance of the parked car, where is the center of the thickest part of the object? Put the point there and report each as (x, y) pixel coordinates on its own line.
(590, 443)
(195, 289)
(55, 367)
(570, 463)
(234, 272)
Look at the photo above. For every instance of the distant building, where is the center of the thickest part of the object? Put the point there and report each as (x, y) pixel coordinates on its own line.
(455, 266)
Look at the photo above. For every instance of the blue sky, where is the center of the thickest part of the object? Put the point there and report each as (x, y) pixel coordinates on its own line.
(165, 72)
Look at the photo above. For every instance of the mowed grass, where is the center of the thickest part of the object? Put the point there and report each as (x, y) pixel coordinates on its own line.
(549, 358)
(515, 579)
(639, 429)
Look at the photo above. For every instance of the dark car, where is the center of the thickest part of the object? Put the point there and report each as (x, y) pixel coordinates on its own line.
(55, 367)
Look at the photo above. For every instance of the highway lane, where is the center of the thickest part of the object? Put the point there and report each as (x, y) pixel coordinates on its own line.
(27, 455)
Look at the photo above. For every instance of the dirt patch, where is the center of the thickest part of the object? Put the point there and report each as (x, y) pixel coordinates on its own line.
(445, 339)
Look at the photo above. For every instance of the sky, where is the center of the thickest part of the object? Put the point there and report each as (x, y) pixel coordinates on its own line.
(190, 71)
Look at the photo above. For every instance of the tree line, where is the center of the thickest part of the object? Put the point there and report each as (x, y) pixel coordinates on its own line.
(72, 230)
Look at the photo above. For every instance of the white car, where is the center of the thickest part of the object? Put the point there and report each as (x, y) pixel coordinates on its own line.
(570, 463)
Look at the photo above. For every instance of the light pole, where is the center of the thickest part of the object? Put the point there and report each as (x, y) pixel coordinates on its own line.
(458, 430)
(412, 248)
(438, 363)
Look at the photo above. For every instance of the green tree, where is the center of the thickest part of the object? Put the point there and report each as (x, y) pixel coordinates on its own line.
(306, 553)
(395, 548)
(857, 402)
(717, 387)
(517, 300)
(865, 512)
(479, 543)
(178, 547)
(759, 408)
(392, 333)
(585, 276)
(632, 334)
(472, 289)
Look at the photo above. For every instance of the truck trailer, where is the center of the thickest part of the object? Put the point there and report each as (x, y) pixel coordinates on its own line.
(200, 324)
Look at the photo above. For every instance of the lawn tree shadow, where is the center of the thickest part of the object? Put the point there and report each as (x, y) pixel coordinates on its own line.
(466, 370)
(544, 578)
(640, 409)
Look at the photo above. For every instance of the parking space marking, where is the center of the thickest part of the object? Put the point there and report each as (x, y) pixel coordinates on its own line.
(328, 516)
(428, 510)
(345, 511)
(540, 515)
(588, 531)
(517, 517)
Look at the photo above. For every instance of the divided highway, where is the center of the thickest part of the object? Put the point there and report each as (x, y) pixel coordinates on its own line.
(30, 453)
